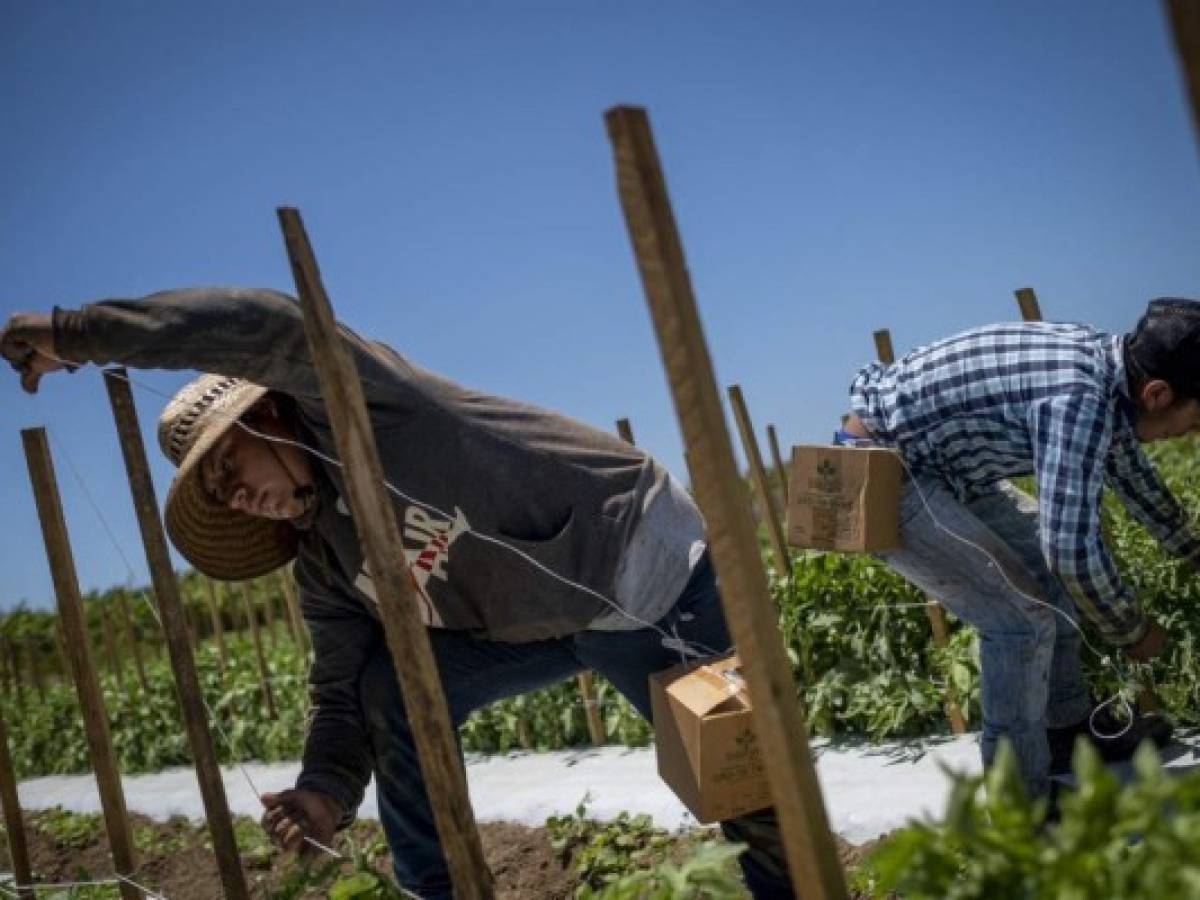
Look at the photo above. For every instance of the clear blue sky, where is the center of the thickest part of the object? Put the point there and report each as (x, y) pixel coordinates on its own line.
(834, 167)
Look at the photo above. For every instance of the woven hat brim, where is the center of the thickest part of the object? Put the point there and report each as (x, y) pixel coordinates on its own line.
(223, 543)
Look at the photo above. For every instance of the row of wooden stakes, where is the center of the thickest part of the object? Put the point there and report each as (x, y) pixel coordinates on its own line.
(810, 849)
(36, 660)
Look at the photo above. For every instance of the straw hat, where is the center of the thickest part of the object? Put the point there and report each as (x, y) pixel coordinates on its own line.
(223, 543)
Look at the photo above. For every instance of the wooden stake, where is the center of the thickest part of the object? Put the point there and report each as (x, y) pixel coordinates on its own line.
(174, 623)
(625, 431)
(70, 609)
(883, 346)
(60, 644)
(777, 459)
(933, 609)
(811, 852)
(524, 735)
(1027, 301)
(286, 612)
(18, 848)
(1185, 25)
(783, 563)
(134, 646)
(264, 672)
(7, 676)
(110, 647)
(218, 627)
(591, 708)
(195, 621)
(14, 667)
(33, 649)
(289, 594)
(375, 520)
(269, 613)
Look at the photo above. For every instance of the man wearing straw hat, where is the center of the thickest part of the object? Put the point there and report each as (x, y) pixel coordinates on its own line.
(1071, 407)
(539, 546)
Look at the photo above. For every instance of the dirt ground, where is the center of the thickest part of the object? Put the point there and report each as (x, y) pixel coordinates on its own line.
(179, 864)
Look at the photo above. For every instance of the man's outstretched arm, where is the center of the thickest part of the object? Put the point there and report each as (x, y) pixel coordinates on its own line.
(250, 333)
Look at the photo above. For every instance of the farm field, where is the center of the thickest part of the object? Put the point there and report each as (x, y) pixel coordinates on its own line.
(866, 668)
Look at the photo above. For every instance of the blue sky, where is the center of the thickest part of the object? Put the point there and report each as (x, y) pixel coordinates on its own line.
(834, 168)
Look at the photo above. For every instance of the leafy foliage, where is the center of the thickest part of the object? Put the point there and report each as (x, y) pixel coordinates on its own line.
(855, 633)
(627, 858)
(147, 728)
(1113, 841)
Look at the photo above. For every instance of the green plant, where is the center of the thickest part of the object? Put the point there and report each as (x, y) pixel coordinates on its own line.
(707, 873)
(1113, 841)
(70, 830)
(602, 853)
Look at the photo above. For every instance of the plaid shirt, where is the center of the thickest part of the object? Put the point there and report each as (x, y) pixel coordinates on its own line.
(1041, 399)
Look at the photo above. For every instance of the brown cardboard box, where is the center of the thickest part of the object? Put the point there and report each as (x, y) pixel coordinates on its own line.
(844, 498)
(704, 737)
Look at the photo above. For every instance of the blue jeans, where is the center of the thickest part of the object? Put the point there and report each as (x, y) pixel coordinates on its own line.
(1029, 654)
(477, 672)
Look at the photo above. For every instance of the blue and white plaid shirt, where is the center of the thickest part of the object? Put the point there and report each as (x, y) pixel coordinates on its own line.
(1041, 399)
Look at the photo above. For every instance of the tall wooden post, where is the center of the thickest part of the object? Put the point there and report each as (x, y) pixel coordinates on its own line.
(811, 852)
(218, 627)
(33, 649)
(783, 563)
(110, 646)
(7, 676)
(174, 623)
(264, 672)
(14, 666)
(135, 648)
(883, 346)
(285, 610)
(1027, 302)
(777, 459)
(268, 613)
(625, 430)
(289, 595)
(70, 609)
(60, 644)
(933, 609)
(18, 848)
(1185, 25)
(375, 521)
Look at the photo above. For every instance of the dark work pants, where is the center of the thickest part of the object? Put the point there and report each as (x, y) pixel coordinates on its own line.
(477, 672)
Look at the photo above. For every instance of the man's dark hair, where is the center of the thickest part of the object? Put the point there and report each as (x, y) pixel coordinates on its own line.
(1165, 345)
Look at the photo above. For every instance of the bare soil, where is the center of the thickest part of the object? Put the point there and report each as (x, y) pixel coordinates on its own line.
(176, 859)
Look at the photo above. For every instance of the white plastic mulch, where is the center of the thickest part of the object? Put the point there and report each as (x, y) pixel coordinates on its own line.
(868, 790)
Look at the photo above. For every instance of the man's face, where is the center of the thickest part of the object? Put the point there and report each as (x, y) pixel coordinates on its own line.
(257, 476)
(1162, 415)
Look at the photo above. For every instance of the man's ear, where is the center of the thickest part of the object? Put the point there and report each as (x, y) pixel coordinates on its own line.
(1156, 395)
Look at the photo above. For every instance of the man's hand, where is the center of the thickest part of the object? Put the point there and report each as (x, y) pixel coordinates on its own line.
(294, 814)
(1153, 642)
(27, 342)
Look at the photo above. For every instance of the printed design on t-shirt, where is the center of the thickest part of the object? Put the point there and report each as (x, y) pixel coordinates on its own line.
(427, 539)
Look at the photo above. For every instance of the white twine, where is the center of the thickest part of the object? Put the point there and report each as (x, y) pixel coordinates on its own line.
(58, 885)
(670, 641)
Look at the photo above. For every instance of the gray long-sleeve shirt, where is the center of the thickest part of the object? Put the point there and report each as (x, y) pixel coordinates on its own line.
(567, 495)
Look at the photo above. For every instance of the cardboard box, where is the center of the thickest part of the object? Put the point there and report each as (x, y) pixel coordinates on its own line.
(705, 741)
(844, 498)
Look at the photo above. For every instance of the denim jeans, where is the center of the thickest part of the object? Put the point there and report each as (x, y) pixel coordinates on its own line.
(476, 672)
(1029, 654)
